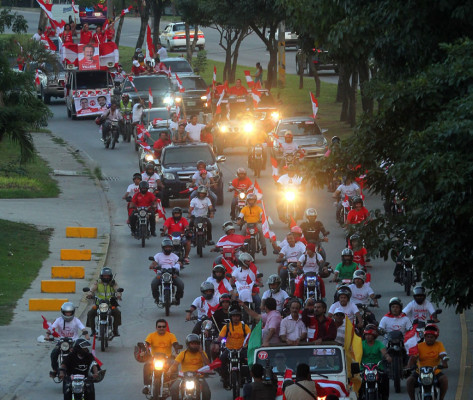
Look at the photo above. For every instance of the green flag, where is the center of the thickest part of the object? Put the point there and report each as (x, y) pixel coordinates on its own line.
(254, 342)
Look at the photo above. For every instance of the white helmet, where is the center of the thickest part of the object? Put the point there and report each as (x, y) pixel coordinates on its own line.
(359, 274)
(245, 258)
(68, 307)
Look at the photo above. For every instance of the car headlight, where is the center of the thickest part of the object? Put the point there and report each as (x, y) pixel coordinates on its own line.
(65, 346)
(158, 365)
(178, 99)
(248, 127)
(190, 385)
(224, 128)
(242, 195)
(275, 116)
(290, 195)
(168, 176)
(203, 98)
(103, 307)
(149, 157)
(167, 100)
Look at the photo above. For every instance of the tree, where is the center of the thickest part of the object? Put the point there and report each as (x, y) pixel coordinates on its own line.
(144, 8)
(12, 20)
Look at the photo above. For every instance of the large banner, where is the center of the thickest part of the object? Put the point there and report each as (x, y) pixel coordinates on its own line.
(106, 56)
(91, 102)
(88, 57)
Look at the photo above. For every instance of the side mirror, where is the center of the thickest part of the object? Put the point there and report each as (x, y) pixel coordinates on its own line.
(221, 159)
(120, 290)
(355, 368)
(86, 289)
(151, 258)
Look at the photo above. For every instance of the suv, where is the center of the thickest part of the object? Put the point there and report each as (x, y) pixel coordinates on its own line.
(320, 58)
(160, 86)
(178, 164)
(52, 80)
(195, 95)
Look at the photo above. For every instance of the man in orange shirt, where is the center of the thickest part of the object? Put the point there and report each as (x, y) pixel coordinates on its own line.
(240, 183)
(237, 90)
(359, 212)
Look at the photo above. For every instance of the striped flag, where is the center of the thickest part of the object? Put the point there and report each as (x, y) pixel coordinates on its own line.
(150, 50)
(315, 105)
(150, 98)
(274, 166)
(47, 325)
(219, 102)
(256, 97)
(326, 387)
(125, 11)
(180, 85)
(160, 211)
(100, 363)
(249, 79)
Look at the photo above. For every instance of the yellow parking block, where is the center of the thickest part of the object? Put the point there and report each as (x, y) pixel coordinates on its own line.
(58, 286)
(76, 255)
(46, 304)
(80, 232)
(67, 272)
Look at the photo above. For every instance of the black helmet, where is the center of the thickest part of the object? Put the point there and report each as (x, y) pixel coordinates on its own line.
(144, 185)
(137, 175)
(68, 307)
(81, 346)
(149, 165)
(225, 296)
(395, 300)
(357, 199)
(419, 291)
(177, 210)
(166, 242)
(343, 290)
(192, 338)
(235, 311)
(218, 267)
(106, 271)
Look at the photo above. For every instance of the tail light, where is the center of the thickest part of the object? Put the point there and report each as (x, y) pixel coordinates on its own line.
(179, 37)
(200, 36)
(82, 14)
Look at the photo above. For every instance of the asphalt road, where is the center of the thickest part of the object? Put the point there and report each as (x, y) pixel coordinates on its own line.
(252, 49)
(130, 262)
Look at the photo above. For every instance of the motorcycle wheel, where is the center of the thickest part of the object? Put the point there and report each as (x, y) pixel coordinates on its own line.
(103, 337)
(252, 247)
(114, 140)
(128, 128)
(396, 368)
(292, 287)
(372, 396)
(156, 387)
(200, 245)
(235, 379)
(207, 349)
(107, 142)
(167, 302)
(144, 232)
(408, 283)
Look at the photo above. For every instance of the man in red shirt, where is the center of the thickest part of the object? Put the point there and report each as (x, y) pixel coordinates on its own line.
(85, 35)
(359, 213)
(144, 198)
(160, 144)
(320, 328)
(99, 36)
(177, 224)
(237, 90)
(239, 184)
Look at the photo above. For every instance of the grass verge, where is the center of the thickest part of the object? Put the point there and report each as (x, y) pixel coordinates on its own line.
(30, 180)
(23, 248)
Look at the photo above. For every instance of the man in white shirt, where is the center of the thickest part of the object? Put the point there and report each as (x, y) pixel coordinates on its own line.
(194, 129)
(339, 318)
(348, 188)
(292, 330)
(275, 292)
(290, 182)
(137, 112)
(395, 320)
(288, 146)
(37, 35)
(205, 305)
(289, 254)
(162, 52)
(420, 308)
(346, 305)
(201, 207)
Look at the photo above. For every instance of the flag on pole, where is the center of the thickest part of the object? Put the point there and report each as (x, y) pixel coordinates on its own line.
(150, 50)
(255, 341)
(47, 326)
(219, 102)
(249, 79)
(160, 210)
(411, 340)
(125, 11)
(180, 85)
(256, 97)
(150, 98)
(74, 8)
(214, 78)
(274, 166)
(100, 363)
(48, 43)
(130, 78)
(327, 387)
(47, 8)
(210, 367)
(315, 105)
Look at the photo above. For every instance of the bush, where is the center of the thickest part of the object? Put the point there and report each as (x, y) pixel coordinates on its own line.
(200, 63)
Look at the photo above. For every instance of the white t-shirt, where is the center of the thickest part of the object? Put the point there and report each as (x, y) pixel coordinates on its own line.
(202, 306)
(194, 131)
(197, 175)
(216, 284)
(201, 207)
(279, 297)
(71, 329)
(137, 112)
(37, 37)
(132, 189)
(167, 261)
(293, 254)
(361, 295)
(173, 126)
(311, 263)
(350, 309)
(151, 180)
(401, 323)
(349, 190)
(286, 180)
(241, 274)
(163, 53)
(421, 312)
(341, 333)
(289, 148)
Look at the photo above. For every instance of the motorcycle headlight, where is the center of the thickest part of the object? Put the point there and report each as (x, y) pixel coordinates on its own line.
(178, 99)
(242, 195)
(207, 325)
(252, 231)
(426, 379)
(275, 116)
(311, 282)
(168, 176)
(166, 277)
(190, 385)
(224, 128)
(167, 100)
(200, 225)
(176, 242)
(143, 213)
(290, 196)
(203, 98)
(77, 386)
(149, 157)
(248, 127)
(103, 307)
(371, 377)
(65, 346)
(158, 365)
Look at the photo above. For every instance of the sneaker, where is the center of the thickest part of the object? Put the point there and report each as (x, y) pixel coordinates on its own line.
(264, 251)
(145, 390)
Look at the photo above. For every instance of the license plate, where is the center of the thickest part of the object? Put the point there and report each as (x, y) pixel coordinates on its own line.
(191, 103)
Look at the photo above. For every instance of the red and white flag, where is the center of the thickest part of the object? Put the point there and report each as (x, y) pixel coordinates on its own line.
(145, 145)
(125, 11)
(180, 85)
(108, 53)
(274, 166)
(214, 78)
(36, 79)
(100, 363)
(257, 85)
(315, 105)
(233, 240)
(210, 367)
(47, 326)
(74, 8)
(268, 234)
(229, 266)
(47, 8)
(150, 98)
(256, 96)
(178, 112)
(219, 102)
(130, 78)
(326, 387)
(150, 50)
(48, 43)
(57, 26)
(249, 79)
(160, 210)
(410, 341)
(70, 54)
(287, 376)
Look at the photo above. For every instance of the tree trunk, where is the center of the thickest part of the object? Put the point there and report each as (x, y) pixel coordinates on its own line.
(302, 62)
(158, 7)
(236, 50)
(366, 101)
(119, 31)
(144, 16)
(344, 92)
(227, 69)
(190, 46)
(352, 99)
(340, 86)
(315, 74)
(43, 20)
(272, 67)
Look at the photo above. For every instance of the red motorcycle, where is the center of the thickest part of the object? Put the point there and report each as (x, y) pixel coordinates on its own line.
(127, 126)
(252, 239)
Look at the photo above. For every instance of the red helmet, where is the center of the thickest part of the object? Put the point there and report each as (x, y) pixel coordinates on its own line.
(431, 329)
(296, 229)
(371, 329)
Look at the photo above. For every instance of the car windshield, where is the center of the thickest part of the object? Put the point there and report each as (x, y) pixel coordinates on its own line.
(194, 83)
(182, 27)
(160, 113)
(187, 155)
(300, 128)
(156, 83)
(91, 79)
(178, 65)
(326, 360)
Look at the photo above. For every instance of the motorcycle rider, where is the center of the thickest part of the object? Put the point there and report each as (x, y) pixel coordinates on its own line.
(288, 146)
(374, 351)
(222, 314)
(359, 213)
(430, 354)
(67, 325)
(275, 292)
(105, 289)
(144, 198)
(311, 261)
(346, 268)
(298, 237)
(343, 296)
(252, 214)
(234, 332)
(205, 305)
(167, 260)
(152, 178)
(290, 181)
(125, 108)
(201, 206)
(190, 359)
(131, 190)
(320, 328)
(311, 228)
(242, 183)
(359, 252)
(395, 320)
(161, 341)
(178, 224)
(245, 275)
(362, 293)
(420, 308)
(289, 254)
(79, 362)
(218, 279)
(347, 189)
(204, 180)
(111, 114)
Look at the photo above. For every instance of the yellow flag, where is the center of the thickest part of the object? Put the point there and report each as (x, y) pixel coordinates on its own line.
(353, 352)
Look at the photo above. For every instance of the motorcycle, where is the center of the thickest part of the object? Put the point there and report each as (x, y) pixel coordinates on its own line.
(167, 291)
(408, 276)
(395, 348)
(65, 346)
(428, 388)
(177, 246)
(189, 388)
(292, 209)
(241, 201)
(104, 318)
(311, 286)
(200, 234)
(292, 159)
(253, 242)
(237, 369)
(127, 126)
(80, 385)
(208, 334)
(256, 159)
(398, 207)
(342, 214)
(292, 274)
(370, 381)
(159, 386)
(367, 315)
(111, 138)
(142, 228)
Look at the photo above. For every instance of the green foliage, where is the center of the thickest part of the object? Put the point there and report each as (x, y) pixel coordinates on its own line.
(12, 20)
(200, 62)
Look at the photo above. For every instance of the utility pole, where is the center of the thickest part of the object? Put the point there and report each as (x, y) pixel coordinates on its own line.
(282, 54)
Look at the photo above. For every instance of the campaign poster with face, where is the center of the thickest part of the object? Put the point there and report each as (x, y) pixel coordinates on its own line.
(88, 57)
(91, 102)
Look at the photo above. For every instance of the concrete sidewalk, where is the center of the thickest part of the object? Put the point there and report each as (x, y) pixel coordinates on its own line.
(82, 202)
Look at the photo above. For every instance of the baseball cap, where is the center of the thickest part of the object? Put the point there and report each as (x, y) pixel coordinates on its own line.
(338, 310)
